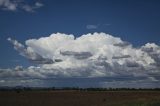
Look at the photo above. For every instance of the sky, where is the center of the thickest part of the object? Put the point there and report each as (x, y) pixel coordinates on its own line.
(85, 43)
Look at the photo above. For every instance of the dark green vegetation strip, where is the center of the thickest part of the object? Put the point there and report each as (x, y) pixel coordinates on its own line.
(80, 98)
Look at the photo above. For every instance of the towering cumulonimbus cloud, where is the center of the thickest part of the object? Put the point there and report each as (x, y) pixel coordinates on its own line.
(89, 49)
(89, 56)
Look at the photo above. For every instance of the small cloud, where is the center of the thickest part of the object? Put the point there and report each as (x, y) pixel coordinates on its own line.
(29, 8)
(107, 24)
(38, 4)
(18, 68)
(2, 81)
(8, 5)
(91, 26)
(14, 5)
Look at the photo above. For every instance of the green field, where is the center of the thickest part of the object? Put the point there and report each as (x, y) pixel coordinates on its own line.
(80, 98)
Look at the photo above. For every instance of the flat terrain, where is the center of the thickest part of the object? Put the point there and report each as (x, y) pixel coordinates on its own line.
(80, 98)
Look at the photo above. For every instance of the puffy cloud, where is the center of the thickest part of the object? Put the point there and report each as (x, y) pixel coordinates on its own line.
(29, 53)
(91, 56)
(13, 5)
(8, 5)
(19, 68)
(153, 51)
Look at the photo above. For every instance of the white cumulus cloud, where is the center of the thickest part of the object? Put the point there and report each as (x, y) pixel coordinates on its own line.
(97, 55)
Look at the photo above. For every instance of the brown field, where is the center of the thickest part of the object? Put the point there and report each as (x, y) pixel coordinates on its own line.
(80, 98)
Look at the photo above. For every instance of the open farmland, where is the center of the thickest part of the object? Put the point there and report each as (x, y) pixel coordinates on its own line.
(80, 98)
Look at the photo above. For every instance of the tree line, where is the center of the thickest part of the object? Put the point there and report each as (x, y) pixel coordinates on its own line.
(74, 88)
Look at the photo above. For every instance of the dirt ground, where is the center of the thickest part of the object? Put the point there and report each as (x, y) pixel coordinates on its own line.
(80, 98)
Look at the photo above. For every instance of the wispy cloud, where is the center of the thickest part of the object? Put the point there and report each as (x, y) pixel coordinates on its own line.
(14, 60)
(107, 24)
(32, 8)
(92, 26)
(14, 5)
(8, 5)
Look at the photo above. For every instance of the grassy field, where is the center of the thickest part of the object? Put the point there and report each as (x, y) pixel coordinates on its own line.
(80, 98)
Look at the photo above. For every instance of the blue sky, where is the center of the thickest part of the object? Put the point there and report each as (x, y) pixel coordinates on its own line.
(134, 21)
